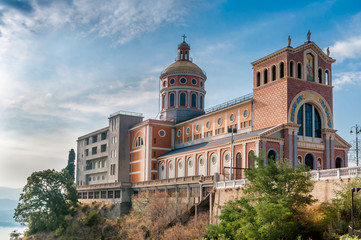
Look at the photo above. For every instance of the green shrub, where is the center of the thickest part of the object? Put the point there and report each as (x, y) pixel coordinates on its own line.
(85, 208)
(91, 219)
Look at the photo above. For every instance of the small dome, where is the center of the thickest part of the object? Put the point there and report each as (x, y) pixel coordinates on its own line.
(183, 45)
(183, 66)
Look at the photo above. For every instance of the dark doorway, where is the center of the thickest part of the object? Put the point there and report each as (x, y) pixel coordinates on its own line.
(271, 156)
(238, 166)
(309, 161)
(338, 162)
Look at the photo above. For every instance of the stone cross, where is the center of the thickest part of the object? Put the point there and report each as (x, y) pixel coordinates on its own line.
(184, 37)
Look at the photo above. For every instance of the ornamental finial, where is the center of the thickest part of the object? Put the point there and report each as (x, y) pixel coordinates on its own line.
(289, 40)
(309, 35)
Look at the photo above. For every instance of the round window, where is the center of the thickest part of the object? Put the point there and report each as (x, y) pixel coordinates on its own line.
(170, 166)
(179, 133)
(201, 83)
(201, 161)
(172, 81)
(164, 83)
(190, 163)
(214, 159)
(194, 81)
(188, 130)
(208, 124)
(245, 113)
(198, 128)
(219, 121)
(183, 80)
(161, 133)
(180, 165)
(232, 117)
(227, 157)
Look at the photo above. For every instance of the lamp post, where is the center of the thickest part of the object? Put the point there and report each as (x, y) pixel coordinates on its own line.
(353, 190)
(357, 131)
(232, 130)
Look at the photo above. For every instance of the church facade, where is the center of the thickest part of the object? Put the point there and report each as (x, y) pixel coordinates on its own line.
(289, 116)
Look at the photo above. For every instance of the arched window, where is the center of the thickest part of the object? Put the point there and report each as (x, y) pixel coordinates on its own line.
(338, 162)
(299, 70)
(273, 73)
(310, 120)
(309, 160)
(171, 100)
(163, 101)
(317, 124)
(201, 102)
(139, 142)
(271, 156)
(182, 99)
(238, 174)
(282, 70)
(265, 76)
(250, 159)
(186, 54)
(258, 79)
(194, 100)
(327, 78)
(181, 54)
(291, 68)
(319, 75)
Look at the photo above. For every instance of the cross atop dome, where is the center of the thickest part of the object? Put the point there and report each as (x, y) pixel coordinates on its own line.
(184, 37)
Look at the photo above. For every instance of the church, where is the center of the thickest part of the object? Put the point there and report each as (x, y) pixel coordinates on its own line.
(288, 115)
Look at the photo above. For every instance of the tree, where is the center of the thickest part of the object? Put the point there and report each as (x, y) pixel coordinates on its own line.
(272, 207)
(337, 213)
(45, 200)
(71, 167)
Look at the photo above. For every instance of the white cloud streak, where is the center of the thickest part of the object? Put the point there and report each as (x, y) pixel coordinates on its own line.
(346, 78)
(346, 49)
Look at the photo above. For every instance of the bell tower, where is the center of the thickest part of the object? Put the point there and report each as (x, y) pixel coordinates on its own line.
(183, 88)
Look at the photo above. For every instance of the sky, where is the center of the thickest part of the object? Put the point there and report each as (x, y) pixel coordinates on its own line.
(65, 66)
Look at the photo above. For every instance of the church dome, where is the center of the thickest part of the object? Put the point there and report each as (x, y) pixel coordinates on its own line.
(183, 66)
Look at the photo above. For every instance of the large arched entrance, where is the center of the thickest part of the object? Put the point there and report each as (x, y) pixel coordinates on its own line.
(238, 172)
(338, 162)
(309, 159)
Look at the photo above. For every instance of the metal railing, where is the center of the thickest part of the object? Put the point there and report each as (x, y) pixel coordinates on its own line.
(126, 113)
(229, 103)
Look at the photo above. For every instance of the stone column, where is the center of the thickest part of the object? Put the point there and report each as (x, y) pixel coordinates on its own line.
(290, 146)
(332, 151)
(264, 151)
(327, 151)
(295, 149)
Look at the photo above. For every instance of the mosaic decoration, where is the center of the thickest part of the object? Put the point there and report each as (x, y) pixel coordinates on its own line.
(298, 100)
(328, 115)
(313, 97)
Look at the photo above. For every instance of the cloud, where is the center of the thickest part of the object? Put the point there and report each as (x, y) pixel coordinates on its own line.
(344, 49)
(120, 21)
(346, 78)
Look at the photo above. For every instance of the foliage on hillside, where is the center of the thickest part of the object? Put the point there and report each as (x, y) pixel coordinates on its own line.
(156, 216)
(275, 202)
